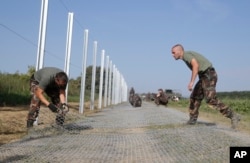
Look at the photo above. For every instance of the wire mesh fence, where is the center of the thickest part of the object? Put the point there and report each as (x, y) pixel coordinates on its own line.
(122, 133)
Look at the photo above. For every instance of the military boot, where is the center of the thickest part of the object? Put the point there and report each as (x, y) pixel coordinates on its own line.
(235, 118)
(192, 121)
(30, 123)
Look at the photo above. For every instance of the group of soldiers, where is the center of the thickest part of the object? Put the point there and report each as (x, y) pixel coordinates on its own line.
(53, 82)
(160, 98)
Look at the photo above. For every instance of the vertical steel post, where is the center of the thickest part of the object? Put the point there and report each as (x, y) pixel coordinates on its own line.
(68, 49)
(41, 38)
(42, 35)
(109, 84)
(117, 87)
(101, 79)
(92, 99)
(113, 85)
(84, 62)
(106, 81)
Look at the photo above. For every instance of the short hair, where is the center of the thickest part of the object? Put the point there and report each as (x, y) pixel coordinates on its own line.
(160, 89)
(178, 45)
(62, 76)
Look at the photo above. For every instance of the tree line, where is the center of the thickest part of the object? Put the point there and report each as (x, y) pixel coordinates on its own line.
(14, 88)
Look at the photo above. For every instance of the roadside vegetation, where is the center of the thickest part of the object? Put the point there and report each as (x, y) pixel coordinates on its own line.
(237, 100)
(14, 88)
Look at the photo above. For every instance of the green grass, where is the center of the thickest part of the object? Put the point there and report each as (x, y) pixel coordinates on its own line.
(240, 106)
(14, 90)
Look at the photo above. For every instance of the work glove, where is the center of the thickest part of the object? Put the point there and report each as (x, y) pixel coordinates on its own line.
(53, 108)
(64, 107)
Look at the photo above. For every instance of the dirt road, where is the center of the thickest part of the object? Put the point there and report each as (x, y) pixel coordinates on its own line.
(126, 134)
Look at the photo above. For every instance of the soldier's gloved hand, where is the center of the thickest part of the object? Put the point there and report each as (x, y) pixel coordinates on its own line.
(64, 107)
(53, 108)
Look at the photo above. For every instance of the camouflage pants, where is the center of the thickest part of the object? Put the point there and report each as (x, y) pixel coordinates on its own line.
(135, 100)
(162, 100)
(206, 88)
(35, 101)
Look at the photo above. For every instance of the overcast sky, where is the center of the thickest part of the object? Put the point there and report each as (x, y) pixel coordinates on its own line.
(137, 35)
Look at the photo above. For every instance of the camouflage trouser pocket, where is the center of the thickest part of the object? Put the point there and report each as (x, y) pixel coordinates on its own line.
(35, 102)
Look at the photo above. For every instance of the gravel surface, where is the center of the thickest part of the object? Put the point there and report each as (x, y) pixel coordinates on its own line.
(125, 134)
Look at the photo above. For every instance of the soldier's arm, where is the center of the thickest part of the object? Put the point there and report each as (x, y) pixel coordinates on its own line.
(62, 96)
(195, 69)
(39, 94)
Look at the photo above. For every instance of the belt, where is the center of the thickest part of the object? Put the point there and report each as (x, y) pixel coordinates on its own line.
(207, 70)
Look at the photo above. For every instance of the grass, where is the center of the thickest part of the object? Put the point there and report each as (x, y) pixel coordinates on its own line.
(13, 120)
(215, 116)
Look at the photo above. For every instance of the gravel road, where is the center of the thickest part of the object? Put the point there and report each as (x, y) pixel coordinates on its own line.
(128, 135)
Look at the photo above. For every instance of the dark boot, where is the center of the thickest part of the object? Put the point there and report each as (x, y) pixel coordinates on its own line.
(192, 121)
(30, 123)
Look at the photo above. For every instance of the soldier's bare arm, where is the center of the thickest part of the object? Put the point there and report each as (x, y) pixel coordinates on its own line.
(39, 94)
(62, 96)
(195, 69)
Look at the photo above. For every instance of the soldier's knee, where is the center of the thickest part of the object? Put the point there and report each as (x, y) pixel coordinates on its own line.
(211, 101)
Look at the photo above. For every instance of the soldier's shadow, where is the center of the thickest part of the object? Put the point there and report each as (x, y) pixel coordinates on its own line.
(71, 127)
(206, 123)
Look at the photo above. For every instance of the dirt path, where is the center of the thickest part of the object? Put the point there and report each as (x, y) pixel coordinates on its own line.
(126, 134)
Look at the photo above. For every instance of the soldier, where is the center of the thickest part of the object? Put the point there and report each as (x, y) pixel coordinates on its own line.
(134, 99)
(53, 82)
(161, 98)
(205, 87)
(137, 101)
(132, 91)
(148, 96)
(131, 95)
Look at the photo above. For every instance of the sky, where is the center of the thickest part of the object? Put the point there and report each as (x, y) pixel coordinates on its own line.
(137, 35)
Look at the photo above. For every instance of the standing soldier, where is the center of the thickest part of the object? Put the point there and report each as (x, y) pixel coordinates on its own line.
(53, 82)
(205, 87)
(161, 98)
(131, 95)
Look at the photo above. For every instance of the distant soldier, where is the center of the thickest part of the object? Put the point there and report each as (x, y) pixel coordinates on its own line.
(132, 91)
(131, 94)
(53, 82)
(134, 99)
(137, 100)
(161, 98)
(148, 97)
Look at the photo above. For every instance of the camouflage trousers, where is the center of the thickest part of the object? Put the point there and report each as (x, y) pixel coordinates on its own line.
(135, 100)
(162, 100)
(35, 101)
(206, 88)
